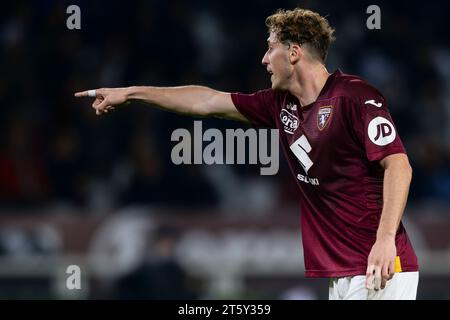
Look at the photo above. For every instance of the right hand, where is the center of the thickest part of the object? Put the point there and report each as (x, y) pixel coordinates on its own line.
(106, 99)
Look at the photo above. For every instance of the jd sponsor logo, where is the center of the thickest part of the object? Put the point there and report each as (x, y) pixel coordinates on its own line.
(381, 131)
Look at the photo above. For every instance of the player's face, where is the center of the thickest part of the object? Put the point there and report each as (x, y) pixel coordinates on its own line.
(276, 61)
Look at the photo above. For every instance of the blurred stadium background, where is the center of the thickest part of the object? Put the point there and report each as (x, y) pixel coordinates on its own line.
(102, 193)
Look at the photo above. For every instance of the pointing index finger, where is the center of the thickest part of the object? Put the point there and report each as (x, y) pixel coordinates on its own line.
(81, 94)
(88, 93)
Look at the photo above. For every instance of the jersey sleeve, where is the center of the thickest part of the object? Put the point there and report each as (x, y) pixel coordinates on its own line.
(374, 127)
(256, 107)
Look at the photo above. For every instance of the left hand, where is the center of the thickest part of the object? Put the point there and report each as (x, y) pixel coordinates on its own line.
(381, 263)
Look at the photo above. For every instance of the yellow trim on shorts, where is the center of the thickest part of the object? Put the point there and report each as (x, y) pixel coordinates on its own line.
(398, 264)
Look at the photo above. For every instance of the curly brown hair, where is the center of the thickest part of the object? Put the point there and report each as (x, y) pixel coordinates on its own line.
(302, 26)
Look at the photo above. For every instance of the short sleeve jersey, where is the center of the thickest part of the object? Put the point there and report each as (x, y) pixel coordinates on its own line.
(333, 147)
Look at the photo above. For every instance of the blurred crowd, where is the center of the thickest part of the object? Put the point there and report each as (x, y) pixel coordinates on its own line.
(55, 150)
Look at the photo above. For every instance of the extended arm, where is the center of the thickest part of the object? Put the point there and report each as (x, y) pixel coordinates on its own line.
(189, 100)
(397, 178)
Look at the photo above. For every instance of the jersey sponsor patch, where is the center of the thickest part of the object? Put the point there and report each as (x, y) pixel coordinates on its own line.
(306, 179)
(381, 131)
(291, 106)
(290, 121)
(323, 116)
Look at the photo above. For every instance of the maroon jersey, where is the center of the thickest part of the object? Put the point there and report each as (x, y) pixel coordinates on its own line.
(333, 147)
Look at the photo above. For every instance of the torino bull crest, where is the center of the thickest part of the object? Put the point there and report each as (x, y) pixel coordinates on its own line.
(324, 116)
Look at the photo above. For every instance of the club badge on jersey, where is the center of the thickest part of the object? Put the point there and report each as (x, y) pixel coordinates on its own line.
(323, 116)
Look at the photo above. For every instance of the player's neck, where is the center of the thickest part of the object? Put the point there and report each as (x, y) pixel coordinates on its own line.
(311, 81)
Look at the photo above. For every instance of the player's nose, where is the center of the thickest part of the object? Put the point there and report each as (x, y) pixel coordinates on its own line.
(265, 60)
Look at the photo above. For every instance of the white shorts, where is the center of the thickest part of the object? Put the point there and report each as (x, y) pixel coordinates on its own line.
(403, 286)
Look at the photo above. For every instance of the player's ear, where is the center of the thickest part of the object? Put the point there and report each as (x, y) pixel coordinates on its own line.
(295, 53)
